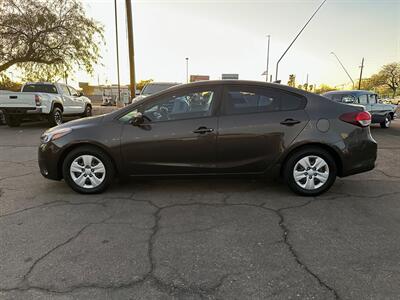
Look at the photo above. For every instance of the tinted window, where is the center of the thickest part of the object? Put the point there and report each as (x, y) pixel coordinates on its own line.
(248, 99)
(292, 101)
(363, 99)
(183, 105)
(40, 88)
(153, 88)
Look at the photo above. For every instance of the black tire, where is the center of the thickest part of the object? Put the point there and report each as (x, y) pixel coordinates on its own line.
(13, 121)
(88, 111)
(386, 123)
(56, 117)
(99, 155)
(294, 158)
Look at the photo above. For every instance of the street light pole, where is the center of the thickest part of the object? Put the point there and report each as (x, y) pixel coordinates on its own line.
(117, 49)
(284, 53)
(362, 67)
(131, 49)
(333, 53)
(266, 72)
(187, 69)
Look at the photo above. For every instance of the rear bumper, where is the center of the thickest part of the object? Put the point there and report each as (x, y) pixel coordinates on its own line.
(22, 110)
(359, 157)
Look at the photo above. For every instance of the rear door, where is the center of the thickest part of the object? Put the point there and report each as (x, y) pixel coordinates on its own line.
(255, 126)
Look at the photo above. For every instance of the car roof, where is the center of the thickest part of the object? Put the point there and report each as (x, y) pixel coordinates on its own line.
(242, 82)
(349, 92)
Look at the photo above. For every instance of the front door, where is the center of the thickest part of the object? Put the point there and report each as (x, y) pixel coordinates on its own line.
(178, 136)
(255, 126)
(68, 102)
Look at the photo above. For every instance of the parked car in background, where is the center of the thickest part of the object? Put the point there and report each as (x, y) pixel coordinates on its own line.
(42, 100)
(221, 127)
(2, 119)
(381, 113)
(153, 88)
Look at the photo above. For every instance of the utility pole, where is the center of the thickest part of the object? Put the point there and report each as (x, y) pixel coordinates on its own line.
(266, 72)
(362, 67)
(284, 53)
(131, 49)
(187, 69)
(307, 83)
(333, 53)
(117, 49)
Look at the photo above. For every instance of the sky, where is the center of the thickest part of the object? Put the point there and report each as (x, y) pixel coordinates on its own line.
(230, 37)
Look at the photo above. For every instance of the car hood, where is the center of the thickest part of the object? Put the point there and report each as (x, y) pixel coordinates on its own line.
(75, 124)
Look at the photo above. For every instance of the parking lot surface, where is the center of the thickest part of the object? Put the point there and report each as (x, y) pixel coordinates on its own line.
(197, 239)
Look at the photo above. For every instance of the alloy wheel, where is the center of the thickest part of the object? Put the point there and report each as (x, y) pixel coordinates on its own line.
(87, 171)
(311, 172)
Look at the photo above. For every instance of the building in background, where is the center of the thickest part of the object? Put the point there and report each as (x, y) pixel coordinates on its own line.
(194, 78)
(98, 93)
(230, 76)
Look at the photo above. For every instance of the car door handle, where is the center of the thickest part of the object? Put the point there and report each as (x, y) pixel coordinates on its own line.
(203, 130)
(290, 122)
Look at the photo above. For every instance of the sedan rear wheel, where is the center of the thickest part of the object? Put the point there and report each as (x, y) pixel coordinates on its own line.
(310, 171)
(88, 170)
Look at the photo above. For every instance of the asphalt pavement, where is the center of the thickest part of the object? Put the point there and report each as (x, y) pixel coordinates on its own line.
(197, 239)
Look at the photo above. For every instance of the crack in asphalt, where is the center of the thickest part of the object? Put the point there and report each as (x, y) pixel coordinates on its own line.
(168, 288)
(56, 202)
(295, 254)
(388, 175)
(16, 176)
(70, 239)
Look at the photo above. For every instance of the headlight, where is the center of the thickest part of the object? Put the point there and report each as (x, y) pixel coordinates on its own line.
(53, 135)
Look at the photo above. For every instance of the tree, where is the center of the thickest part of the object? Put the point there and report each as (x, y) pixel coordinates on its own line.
(323, 88)
(389, 75)
(48, 37)
(292, 80)
(140, 85)
(7, 84)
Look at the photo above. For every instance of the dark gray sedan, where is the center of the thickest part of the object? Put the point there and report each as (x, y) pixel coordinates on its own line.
(215, 128)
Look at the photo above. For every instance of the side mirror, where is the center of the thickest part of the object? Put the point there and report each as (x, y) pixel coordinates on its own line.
(80, 94)
(137, 120)
(137, 92)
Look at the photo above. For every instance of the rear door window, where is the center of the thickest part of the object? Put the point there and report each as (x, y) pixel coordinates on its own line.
(253, 99)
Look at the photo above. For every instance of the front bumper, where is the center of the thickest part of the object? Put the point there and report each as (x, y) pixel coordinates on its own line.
(48, 158)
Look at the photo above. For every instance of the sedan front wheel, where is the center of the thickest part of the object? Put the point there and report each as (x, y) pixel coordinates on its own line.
(88, 170)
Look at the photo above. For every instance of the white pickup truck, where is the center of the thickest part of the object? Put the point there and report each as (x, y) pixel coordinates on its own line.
(42, 100)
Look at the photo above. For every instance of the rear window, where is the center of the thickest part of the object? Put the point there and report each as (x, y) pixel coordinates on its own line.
(39, 88)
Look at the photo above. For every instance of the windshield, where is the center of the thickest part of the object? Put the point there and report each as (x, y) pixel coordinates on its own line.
(153, 88)
(39, 88)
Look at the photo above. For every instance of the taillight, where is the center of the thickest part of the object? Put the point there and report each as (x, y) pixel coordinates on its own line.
(38, 100)
(362, 119)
